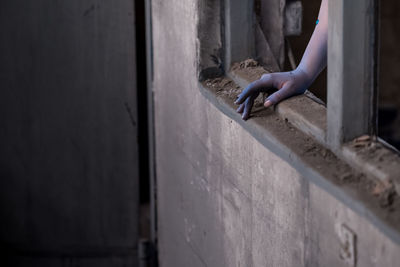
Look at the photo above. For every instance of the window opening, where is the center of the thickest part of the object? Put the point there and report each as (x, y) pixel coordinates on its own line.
(389, 76)
(298, 44)
(234, 31)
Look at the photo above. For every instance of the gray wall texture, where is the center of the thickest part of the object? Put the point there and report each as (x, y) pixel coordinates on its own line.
(68, 158)
(223, 198)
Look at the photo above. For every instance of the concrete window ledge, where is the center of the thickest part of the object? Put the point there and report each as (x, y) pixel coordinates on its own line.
(363, 174)
(307, 113)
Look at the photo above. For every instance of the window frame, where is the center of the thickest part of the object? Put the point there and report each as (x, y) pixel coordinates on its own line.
(352, 88)
(352, 70)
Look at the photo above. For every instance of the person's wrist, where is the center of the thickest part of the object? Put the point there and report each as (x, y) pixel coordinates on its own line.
(303, 75)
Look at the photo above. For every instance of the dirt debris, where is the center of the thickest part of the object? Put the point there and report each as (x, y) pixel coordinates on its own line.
(383, 191)
(226, 87)
(387, 198)
(382, 197)
(248, 63)
(374, 153)
(347, 176)
(381, 187)
(364, 138)
(249, 70)
(362, 141)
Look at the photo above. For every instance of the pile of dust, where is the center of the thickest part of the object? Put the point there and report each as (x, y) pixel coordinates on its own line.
(225, 87)
(249, 70)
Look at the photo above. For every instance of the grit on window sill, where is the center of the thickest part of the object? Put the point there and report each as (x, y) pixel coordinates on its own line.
(296, 131)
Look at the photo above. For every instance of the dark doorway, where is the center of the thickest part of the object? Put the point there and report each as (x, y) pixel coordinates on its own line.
(69, 160)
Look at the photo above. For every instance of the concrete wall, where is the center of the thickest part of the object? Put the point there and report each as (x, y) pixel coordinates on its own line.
(68, 158)
(223, 198)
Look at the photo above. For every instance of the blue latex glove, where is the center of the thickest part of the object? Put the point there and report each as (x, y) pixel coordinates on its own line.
(294, 82)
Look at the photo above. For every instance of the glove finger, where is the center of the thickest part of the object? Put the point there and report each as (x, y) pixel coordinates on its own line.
(248, 106)
(240, 108)
(283, 93)
(253, 88)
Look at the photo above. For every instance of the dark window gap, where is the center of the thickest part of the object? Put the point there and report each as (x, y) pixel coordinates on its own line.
(142, 101)
(389, 76)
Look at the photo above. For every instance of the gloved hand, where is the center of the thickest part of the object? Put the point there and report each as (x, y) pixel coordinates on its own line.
(287, 83)
(294, 82)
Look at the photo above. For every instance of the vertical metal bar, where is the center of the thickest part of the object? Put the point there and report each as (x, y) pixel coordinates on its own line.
(352, 69)
(239, 31)
(151, 137)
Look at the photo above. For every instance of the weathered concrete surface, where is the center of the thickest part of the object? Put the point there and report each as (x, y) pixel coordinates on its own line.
(271, 20)
(68, 160)
(211, 45)
(351, 34)
(223, 198)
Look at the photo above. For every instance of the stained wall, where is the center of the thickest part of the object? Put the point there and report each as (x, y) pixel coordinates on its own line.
(223, 198)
